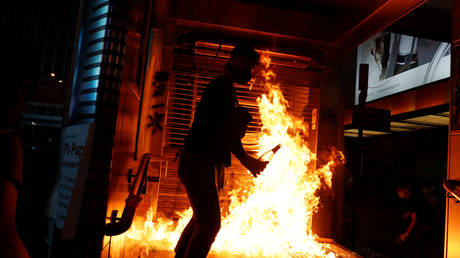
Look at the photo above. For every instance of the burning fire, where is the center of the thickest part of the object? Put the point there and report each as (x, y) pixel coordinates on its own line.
(272, 217)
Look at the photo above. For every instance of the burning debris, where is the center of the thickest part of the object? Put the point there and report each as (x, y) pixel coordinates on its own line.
(272, 217)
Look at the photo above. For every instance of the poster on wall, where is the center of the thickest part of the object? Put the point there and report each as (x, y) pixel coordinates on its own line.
(66, 199)
(399, 62)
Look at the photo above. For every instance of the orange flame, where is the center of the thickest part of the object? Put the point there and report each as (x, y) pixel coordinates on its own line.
(274, 216)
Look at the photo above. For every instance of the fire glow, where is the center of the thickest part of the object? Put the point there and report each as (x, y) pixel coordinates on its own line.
(271, 217)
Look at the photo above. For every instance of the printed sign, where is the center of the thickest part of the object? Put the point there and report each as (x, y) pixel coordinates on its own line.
(76, 144)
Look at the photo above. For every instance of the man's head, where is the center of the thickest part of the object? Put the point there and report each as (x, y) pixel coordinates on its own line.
(404, 190)
(242, 61)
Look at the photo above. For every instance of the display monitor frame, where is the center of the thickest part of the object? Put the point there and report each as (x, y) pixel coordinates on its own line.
(399, 62)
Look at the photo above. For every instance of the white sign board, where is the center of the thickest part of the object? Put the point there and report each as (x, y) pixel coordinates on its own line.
(76, 144)
(400, 62)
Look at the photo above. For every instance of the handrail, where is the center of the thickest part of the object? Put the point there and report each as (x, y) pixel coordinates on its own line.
(451, 187)
(120, 225)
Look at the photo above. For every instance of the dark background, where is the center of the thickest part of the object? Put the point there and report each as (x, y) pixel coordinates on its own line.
(371, 208)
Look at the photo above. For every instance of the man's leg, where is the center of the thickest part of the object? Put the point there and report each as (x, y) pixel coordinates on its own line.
(185, 165)
(184, 239)
(202, 192)
(205, 202)
(198, 176)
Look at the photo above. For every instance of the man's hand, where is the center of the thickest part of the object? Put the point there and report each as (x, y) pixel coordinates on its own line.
(406, 215)
(402, 238)
(254, 165)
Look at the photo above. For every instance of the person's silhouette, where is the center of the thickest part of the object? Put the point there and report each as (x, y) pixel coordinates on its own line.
(15, 86)
(207, 152)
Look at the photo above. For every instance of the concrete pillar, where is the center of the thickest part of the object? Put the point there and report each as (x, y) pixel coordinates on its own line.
(452, 234)
(335, 87)
(95, 99)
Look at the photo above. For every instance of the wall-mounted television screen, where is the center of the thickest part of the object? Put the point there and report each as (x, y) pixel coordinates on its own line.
(399, 62)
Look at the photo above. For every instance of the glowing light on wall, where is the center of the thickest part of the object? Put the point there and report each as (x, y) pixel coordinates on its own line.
(88, 68)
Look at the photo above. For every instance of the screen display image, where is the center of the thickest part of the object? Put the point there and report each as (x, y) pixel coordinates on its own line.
(399, 62)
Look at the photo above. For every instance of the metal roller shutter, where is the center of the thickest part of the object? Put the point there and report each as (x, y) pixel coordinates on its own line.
(189, 78)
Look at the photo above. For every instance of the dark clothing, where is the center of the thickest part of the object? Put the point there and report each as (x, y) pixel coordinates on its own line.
(416, 243)
(417, 204)
(201, 168)
(7, 136)
(210, 134)
(198, 174)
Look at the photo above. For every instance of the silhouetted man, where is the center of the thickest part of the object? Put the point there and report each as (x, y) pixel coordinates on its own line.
(416, 221)
(16, 84)
(207, 152)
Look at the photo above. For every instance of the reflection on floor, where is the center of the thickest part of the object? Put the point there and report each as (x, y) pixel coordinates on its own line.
(340, 251)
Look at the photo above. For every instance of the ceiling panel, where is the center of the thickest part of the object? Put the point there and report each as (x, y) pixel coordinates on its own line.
(407, 125)
(366, 133)
(433, 120)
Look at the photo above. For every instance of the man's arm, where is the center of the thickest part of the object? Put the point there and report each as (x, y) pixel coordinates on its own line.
(405, 235)
(217, 105)
(252, 164)
(11, 162)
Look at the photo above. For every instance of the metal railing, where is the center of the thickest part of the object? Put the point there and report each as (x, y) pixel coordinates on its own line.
(452, 188)
(120, 225)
